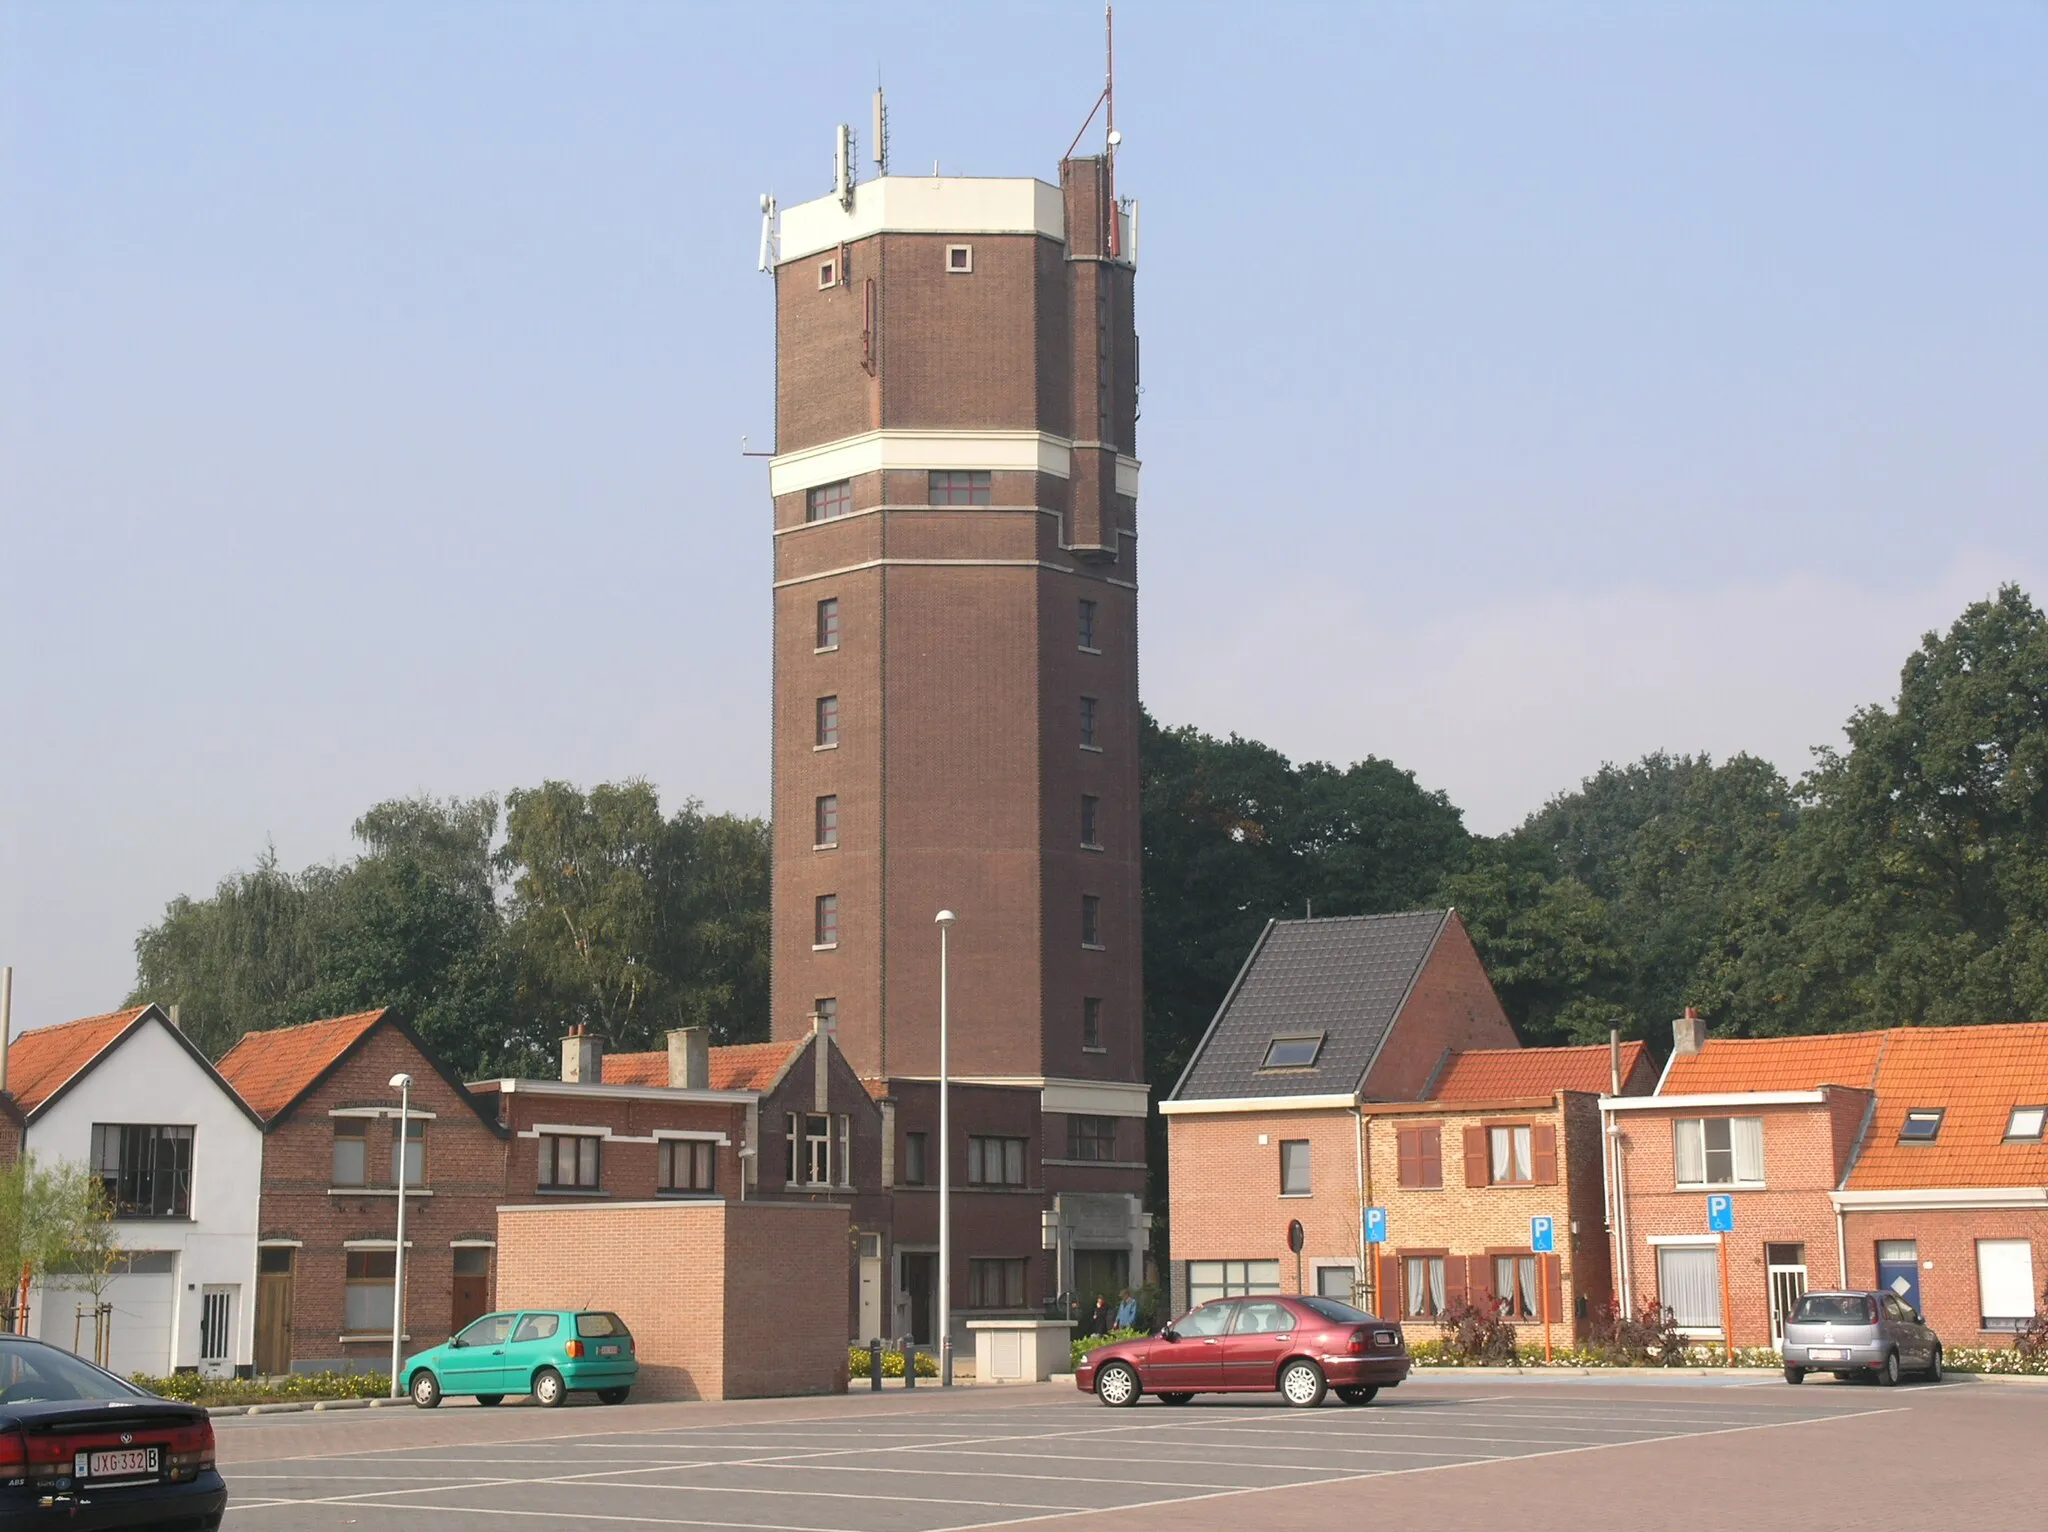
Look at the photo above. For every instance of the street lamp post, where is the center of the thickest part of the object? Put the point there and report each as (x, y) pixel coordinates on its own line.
(403, 1084)
(944, 920)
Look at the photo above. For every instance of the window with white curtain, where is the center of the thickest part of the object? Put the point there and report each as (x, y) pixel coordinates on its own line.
(1424, 1289)
(1719, 1151)
(1689, 1284)
(2005, 1283)
(1509, 1152)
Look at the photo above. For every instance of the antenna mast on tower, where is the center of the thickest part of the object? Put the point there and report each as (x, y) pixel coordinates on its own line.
(881, 133)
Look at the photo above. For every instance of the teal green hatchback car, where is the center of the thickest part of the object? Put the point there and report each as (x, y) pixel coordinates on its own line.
(549, 1353)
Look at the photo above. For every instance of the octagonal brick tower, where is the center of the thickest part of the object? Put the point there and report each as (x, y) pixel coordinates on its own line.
(956, 645)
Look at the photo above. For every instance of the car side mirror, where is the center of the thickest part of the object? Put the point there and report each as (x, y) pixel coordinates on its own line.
(1919, 1318)
(1169, 1334)
(456, 1342)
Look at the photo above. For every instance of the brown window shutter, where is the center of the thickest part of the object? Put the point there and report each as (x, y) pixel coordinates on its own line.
(1553, 1280)
(1386, 1296)
(1431, 1149)
(1475, 1156)
(1457, 1289)
(1543, 1155)
(1410, 1140)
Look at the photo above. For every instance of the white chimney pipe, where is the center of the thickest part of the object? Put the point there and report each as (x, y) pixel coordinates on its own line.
(6, 1019)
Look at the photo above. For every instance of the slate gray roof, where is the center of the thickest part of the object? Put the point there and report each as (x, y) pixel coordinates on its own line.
(1345, 977)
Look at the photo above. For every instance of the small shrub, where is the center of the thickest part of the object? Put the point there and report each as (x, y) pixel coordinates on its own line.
(892, 1363)
(1088, 1343)
(1649, 1339)
(1475, 1333)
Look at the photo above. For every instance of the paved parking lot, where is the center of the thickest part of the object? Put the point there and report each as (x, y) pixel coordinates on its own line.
(987, 1457)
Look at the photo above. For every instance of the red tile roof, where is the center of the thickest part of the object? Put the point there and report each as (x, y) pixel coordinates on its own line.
(1777, 1063)
(1976, 1075)
(740, 1066)
(41, 1062)
(270, 1070)
(1498, 1074)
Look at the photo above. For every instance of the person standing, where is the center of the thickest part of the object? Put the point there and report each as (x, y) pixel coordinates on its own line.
(1101, 1321)
(1127, 1312)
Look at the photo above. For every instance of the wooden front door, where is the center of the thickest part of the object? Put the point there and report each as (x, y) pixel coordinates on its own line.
(472, 1291)
(274, 1310)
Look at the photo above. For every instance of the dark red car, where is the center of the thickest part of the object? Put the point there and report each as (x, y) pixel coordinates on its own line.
(1303, 1347)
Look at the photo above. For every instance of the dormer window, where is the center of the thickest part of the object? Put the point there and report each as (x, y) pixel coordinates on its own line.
(1293, 1052)
(1922, 1125)
(2026, 1123)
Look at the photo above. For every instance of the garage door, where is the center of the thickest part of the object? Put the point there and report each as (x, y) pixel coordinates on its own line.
(144, 1296)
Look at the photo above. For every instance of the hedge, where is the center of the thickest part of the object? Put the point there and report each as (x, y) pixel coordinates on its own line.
(892, 1363)
(192, 1388)
(2003, 1360)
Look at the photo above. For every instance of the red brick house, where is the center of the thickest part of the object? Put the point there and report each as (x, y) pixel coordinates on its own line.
(1267, 1125)
(327, 1250)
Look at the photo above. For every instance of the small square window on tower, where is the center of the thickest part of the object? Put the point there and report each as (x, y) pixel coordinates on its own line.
(959, 259)
(826, 501)
(828, 274)
(828, 624)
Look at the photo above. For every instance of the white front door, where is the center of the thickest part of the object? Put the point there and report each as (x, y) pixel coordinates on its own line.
(870, 1288)
(217, 1331)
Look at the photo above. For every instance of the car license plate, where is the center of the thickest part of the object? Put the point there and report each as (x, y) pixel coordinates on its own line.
(607, 1350)
(129, 1463)
(1824, 1354)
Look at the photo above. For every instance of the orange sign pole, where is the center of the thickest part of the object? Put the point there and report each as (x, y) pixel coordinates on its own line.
(1727, 1309)
(1543, 1298)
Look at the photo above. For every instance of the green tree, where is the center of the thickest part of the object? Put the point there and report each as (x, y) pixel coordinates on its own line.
(57, 1228)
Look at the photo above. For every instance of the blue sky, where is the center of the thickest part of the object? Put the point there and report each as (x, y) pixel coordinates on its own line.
(1526, 386)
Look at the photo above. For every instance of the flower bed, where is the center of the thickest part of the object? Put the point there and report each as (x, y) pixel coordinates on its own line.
(892, 1363)
(191, 1388)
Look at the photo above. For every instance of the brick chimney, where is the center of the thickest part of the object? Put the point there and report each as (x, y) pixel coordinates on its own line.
(1688, 1032)
(582, 1057)
(689, 1058)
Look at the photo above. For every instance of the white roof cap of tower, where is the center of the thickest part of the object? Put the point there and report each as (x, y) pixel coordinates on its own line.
(924, 205)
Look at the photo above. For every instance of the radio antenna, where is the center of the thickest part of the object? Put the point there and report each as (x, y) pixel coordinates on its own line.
(881, 132)
(1108, 96)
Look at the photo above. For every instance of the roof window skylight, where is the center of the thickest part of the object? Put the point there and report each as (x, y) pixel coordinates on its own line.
(2026, 1122)
(1297, 1052)
(1921, 1125)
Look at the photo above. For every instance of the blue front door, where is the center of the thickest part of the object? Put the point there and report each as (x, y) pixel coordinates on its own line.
(1898, 1270)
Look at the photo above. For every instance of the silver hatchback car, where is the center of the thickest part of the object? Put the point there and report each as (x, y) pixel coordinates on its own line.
(1859, 1334)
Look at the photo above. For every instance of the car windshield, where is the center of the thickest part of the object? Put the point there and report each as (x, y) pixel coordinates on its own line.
(1833, 1308)
(31, 1373)
(1342, 1313)
(590, 1326)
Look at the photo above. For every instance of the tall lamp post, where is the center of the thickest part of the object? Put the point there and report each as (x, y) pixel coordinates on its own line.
(403, 1084)
(944, 920)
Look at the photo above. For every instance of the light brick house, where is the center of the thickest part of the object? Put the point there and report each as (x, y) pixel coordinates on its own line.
(327, 1252)
(1266, 1127)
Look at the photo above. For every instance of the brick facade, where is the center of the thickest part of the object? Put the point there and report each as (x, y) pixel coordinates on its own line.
(726, 1300)
(1945, 1244)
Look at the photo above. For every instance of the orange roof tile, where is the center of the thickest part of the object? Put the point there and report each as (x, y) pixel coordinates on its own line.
(270, 1070)
(41, 1062)
(1776, 1063)
(1499, 1074)
(740, 1066)
(1976, 1076)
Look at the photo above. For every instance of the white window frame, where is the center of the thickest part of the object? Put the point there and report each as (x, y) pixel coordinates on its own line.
(1287, 1186)
(1209, 1280)
(965, 267)
(2008, 1289)
(1740, 1139)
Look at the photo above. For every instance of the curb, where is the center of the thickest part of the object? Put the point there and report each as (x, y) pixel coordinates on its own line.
(1750, 1373)
(300, 1407)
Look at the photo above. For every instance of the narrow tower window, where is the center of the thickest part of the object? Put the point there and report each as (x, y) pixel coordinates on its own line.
(825, 928)
(1088, 806)
(1088, 740)
(828, 500)
(828, 274)
(828, 624)
(959, 259)
(1091, 1024)
(1088, 627)
(1091, 920)
(827, 832)
(959, 487)
(828, 723)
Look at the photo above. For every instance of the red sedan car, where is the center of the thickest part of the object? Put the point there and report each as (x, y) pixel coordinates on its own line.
(1303, 1347)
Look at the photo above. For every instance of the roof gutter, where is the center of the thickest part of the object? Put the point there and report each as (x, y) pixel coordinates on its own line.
(1915, 1199)
(1345, 1102)
(1716, 1098)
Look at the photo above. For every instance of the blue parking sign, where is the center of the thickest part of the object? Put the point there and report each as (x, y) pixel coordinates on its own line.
(1721, 1213)
(1542, 1236)
(1375, 1226)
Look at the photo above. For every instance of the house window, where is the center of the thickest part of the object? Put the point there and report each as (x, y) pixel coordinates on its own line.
(828, 500)
(1336, 1282)
(1209, 1280)
(1294, 1167)
(2005, 1283)
(1922, 1125)
(828, 623)
(995, 1284)
(366, 1301)
(842, 1147)
(2026, 1122)
(1091, 1138)
(827, 830)
(1293, 1052)
(569, 1161)
(415, 1152)
(995, 1161)
(351, 1159)
(810, 1149)
(959, 487)
(1689, 1284)
(1514, 1286)
(1421, 1156)
(1089, 804)
(828, 722)
(959, 259)
(688, 1165)
(1091, 1023)
(1091, 920)
(1508, 1158)
(147, 1171)
(1088, 625)
(1719, 1151)
(828, 274)
(825, 921)
(914, 1172)
(1422, 1286)
(1088, 724)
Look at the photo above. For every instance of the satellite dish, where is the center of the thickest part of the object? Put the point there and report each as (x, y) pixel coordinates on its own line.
(764, 202)
(1115, 138)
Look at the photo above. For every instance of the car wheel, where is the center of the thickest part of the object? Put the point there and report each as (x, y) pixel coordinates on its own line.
(1117, 1385)
(1888, 1375)
(487, 1400)
(1359, 1393)
(1302, 1385)
(1934, 1367)
(612, 1395)
(426, 1389)
(1177, 1397)
(1795, 1374)
(548, 1388)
